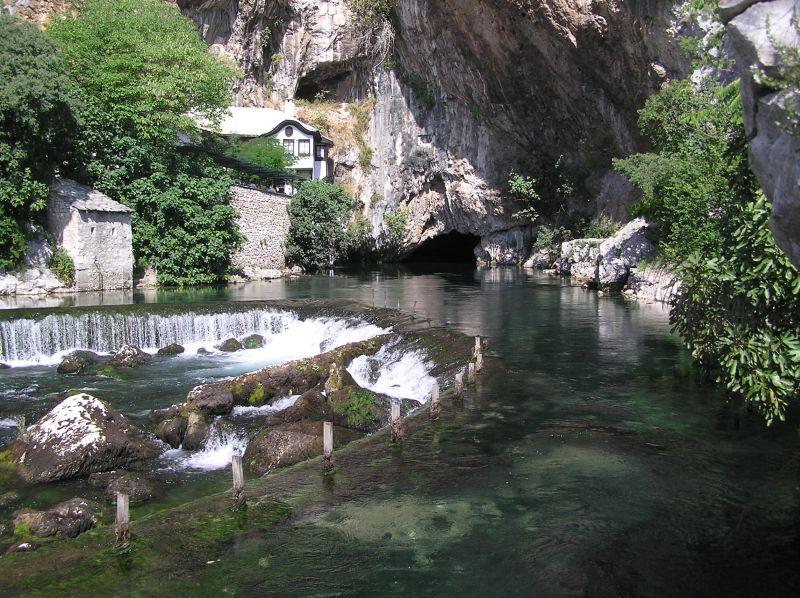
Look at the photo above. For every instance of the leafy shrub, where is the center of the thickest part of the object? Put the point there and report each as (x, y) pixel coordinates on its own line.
(700, 171)
(523, 190)
(39, 122)
(318, 218)
(601, 227)
(739, 312)
(140, 68)
(550, 238)
(396, 226)
(266, 152)
(61, 265)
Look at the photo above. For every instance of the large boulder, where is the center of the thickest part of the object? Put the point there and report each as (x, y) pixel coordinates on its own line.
(254, 341)
(198, 426)
(312, 405)
(79, 436)
(78, 362)
(288, 444)
(130, 357)
(210, 399)
(172, 430)
(67, 519)
(231, 346)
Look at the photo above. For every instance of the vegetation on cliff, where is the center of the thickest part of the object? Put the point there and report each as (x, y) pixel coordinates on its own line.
(140, 68)
(738, 308)
(38, 124)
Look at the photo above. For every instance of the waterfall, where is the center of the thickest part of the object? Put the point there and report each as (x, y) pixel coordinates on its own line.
(43, 341)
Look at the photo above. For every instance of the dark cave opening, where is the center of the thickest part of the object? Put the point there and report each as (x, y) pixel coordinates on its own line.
(451, 248)
(322, 88)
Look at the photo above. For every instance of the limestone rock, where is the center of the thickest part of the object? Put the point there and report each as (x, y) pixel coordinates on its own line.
(754, 28)
(78, 362)
(67, 519)
(288, 444)
(653, 283)
(197, 429)
(129, 356)
(630, 244)
(540, 260)
(80, 436)
(210, 399)
(231, 346)
(172, 349)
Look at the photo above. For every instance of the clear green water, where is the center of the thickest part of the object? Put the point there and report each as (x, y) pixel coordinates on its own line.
(594, 463)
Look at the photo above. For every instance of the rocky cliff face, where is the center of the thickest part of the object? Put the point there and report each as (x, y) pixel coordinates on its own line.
(472, 89)
(761, 32)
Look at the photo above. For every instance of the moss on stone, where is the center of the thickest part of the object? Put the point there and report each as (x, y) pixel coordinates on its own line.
(256, 397)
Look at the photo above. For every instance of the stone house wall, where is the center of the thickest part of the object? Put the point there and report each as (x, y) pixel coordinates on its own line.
(264, 222)
(99, 242)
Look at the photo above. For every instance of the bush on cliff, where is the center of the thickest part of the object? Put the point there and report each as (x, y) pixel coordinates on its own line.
(141, 68)
(37, 129)
(318, 230)
(738, 308)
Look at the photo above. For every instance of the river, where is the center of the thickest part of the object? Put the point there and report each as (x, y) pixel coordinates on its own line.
(591, 461)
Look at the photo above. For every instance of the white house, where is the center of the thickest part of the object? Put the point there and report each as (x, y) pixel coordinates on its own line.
(309, 147)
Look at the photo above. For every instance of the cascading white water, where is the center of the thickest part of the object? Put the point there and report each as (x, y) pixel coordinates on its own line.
(398, 373)
(217, 452)
(42, 341)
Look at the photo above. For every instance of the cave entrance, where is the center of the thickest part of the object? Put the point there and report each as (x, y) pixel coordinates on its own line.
(451, 248)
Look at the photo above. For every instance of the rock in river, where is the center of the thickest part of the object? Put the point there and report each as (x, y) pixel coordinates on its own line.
(136, 486)
(130, 357)
(172, 349)
(254, 341)
(78, 362)
(80, 436)
(66, 519)
(231, 346)
(288, 444)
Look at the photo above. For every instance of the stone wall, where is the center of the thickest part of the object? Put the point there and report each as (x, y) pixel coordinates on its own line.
(264, 222)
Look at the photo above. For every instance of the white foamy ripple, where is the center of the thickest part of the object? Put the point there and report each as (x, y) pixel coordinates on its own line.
(277, 406)
(394, 372)
(217, 453)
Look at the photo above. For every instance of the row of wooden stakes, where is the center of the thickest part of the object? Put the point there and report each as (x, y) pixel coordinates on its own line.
(122, 526)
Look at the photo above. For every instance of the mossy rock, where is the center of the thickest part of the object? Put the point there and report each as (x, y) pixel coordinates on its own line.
(231, 346)
(254, 341)
(172, 349)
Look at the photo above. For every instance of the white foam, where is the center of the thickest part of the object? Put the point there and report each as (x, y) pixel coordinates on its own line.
(8, 422)
(277, 406)
(26, 342)
(394, 372)
(217, 453)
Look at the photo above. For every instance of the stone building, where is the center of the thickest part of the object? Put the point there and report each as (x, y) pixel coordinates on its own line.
(95, 231)
(264, 223)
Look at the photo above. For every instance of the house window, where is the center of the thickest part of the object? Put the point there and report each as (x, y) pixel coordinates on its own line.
(320, 152)
(288, 146)
(304, 147)
(289, 131)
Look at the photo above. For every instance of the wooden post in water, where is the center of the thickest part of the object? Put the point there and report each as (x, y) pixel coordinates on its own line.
(238, 479)
(327, 446)
(122, 529)
(471, 373)
(458, 384)
(397, 423)
(436, 404)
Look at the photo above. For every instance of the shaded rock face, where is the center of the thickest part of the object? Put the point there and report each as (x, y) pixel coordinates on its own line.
(754, 29)
(475, 89)
(80, 436)
(67, 519)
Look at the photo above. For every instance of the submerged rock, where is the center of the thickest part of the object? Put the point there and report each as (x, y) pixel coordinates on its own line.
(172, 349)
(136, 486)
(231, 346)
(129, 356)
(78, 362)
(203, 351)
(67, 519)
(80, 436)
(254, 341)
(289, 444)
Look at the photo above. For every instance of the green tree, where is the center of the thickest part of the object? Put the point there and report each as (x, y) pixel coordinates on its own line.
(318, 230)
(698, 172)
(141, 68)
(37, 129)
(266, 152)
